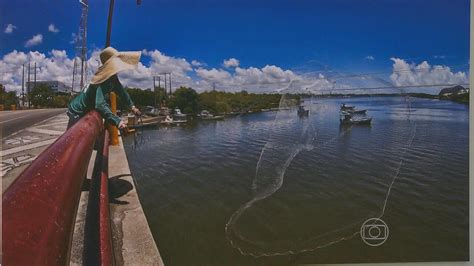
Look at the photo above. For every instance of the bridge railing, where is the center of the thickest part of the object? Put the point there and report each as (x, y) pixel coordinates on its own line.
(39, 208)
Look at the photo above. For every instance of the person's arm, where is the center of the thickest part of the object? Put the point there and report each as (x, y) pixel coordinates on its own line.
(117, 87)
(104, 110)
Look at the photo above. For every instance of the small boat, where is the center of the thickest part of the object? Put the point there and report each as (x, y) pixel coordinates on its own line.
(164, 111)
(152, 111)
(169, 121)
(302, 111)
(348, 119)
(355, 111)
(178, 116)
(345, 107)
(206, 115)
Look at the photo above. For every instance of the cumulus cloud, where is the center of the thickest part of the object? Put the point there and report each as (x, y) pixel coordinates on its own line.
(405, 74)
(9, 29)
(196, 63)
(231, 62)
(370, 57)
(53, 28)
(35, 40)
(57, 65)
(54, 66)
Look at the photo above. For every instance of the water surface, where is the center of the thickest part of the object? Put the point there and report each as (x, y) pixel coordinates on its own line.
(315, 184)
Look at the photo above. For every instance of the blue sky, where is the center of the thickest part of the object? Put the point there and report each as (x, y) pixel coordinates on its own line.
(348, 36)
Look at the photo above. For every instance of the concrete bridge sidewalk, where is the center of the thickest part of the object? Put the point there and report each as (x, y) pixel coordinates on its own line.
(132, 239)
(19, 149)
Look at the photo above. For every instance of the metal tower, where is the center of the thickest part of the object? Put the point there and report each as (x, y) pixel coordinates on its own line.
(79, 73)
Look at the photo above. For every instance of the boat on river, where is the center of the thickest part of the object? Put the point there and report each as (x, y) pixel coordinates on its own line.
(178, 116)
(348, 119)
(345, 107)
(356, 111)
(151, 111)
(206, 115)
(302, 111)
(170, 121)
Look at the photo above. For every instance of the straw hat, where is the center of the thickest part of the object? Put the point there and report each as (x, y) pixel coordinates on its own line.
(113, 62)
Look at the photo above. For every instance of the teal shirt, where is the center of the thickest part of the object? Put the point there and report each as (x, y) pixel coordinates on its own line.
(94, 98)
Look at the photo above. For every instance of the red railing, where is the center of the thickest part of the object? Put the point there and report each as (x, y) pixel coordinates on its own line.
(39, 208)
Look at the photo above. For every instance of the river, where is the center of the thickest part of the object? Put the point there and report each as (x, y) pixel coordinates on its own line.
(274, 188)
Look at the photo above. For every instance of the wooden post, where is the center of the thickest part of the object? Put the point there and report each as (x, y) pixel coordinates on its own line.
(113, 131)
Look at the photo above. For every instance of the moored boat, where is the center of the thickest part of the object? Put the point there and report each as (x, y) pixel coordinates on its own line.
(206, 115)
(178, 116)
(345, 107)
(347, 119)
(302, 111)
(355, 111)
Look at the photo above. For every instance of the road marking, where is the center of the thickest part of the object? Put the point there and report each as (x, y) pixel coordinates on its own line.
(44, 131)
(12, 163)
(20, 140)
(12, 119)
(26, 147)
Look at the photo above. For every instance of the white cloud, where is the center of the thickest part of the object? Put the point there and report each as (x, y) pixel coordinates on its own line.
(370, 57)
(9, 29)
(53, 28)
(57, 65)
(35, 40)
(196, 63)
(231, 62)
(405, 74)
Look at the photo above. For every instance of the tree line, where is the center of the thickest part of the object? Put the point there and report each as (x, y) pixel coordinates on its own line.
(184, 98)
(40, 97)
(192, 102)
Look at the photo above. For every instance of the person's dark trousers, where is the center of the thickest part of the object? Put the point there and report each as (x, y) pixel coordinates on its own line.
(73, 118)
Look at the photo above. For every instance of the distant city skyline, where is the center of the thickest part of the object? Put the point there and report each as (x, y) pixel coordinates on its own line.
(259, 46)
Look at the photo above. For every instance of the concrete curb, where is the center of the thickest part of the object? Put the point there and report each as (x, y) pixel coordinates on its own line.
(132, 239)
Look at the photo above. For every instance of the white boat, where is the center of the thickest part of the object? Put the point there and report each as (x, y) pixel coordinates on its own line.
(345, 107)
(178, 116)
(348, 119)
(169, 121)
(206, 115)
(152, 111)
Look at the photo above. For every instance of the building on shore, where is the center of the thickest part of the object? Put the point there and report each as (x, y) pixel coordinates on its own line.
(53, 85)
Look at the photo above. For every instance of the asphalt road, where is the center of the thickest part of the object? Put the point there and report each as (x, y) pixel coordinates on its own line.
(13, 121)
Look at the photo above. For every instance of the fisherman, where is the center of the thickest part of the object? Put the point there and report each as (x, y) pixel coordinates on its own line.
(103, 82)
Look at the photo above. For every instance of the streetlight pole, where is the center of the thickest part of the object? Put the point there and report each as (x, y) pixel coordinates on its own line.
(109, 23)
(113, 131)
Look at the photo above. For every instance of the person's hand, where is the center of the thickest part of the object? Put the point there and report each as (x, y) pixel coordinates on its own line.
(136, 111)
(122, 125)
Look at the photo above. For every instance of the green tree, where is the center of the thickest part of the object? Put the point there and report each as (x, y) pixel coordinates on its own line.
(7, 98)
(60, 100)
(185, 99)
(41, 96)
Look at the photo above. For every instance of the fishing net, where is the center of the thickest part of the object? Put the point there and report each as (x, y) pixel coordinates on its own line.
(336, 176)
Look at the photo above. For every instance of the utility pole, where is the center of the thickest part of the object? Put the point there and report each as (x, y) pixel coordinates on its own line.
(154, 89)
(109, 23)
(23, 86)
(170, 84)
(159, 87)
(34, 86)
(166, 96)
(28, 84)
(113, 98)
